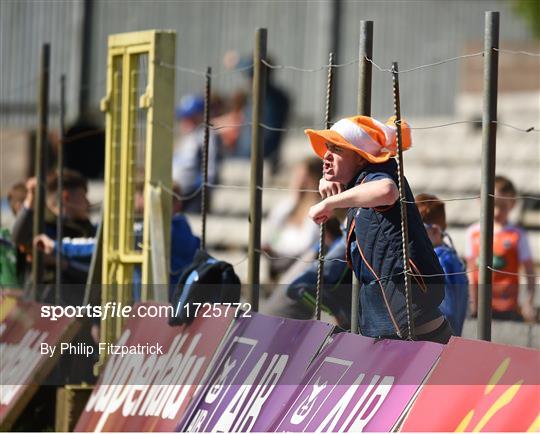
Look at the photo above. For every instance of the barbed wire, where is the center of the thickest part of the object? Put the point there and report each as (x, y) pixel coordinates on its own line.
(308, 190)
(453, 199)
(202, 73)
(509, 273)
(473, 197)
(524, 130)
(379, 279)
(177, 196)
(457, 273)
(390, 276)
(297, 258)
(514, 197)
(302, 128)
(324, 67)
(320, 68)
(526, 53)
(214, 127)
(440, 62)
(504, 124)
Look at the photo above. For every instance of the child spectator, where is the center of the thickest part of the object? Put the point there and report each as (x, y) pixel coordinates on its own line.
(183, 243)
(456, 290)
(360, 175)
(75, 224)
(16, 196)
(511, 251)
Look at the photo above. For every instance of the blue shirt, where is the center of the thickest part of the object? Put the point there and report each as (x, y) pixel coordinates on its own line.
(456, 289)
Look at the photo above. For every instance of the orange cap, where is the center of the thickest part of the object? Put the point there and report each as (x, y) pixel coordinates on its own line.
(373, 140)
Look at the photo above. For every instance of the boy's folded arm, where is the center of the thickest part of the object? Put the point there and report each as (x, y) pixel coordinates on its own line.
(373, 194)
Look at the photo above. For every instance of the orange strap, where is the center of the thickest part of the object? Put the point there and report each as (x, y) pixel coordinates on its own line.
(419, 275)
(349, 263)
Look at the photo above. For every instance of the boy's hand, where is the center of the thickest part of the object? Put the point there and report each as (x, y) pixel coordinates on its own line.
(44, 243)
(329, 188)
(30, 192)
(320, 212)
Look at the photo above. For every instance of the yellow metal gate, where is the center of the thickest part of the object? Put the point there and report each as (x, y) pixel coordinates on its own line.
(139, 107)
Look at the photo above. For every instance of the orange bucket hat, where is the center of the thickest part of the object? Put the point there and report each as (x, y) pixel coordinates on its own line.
(373, 140)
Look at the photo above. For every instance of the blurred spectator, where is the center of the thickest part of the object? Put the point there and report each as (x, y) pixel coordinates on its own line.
(456, 297)
(295, 297)
(75, 224)
(229, 124)
(511, 251)
(8, 261)
(12, 260)
(16, 196)
(218, 104)
(187, 156)
(275, 115)
(289, 231)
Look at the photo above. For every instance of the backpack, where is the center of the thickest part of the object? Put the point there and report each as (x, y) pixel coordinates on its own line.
(206, 280)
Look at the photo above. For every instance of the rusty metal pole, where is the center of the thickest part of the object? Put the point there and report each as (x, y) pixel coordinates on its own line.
(60, 188)
(257, 153)
(328, 124)
(204, 192)
(489, 137)
(363, 108)
(403, 204)
(41, 158)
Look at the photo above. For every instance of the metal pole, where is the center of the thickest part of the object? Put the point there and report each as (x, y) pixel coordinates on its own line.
(257, 152)
(365, 68)
(489, 135)
(328, 124)
(336, 14)
(204, 193)
(40, 166)
(403, 204)
(60, 189)
(363, 108)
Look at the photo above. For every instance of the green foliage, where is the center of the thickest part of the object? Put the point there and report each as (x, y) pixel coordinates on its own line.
(529, 10)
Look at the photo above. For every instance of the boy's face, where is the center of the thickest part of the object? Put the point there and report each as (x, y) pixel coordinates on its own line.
(76, 203)
(340, 164)
(504, 203)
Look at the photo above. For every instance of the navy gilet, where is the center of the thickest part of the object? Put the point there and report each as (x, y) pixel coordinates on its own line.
(375, 253)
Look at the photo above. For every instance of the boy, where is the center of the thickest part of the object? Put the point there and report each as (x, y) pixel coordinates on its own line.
(510, 251)
(456, 297)
(360, 174)
(76, 224)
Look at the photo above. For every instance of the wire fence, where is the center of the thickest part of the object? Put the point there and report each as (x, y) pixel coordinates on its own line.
(323, 67)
